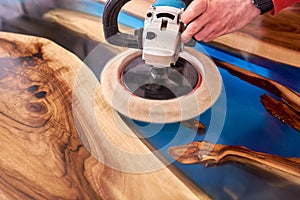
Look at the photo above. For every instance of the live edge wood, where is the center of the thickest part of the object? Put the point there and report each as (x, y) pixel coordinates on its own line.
(281, 111)
(217, 154)
(42, 155)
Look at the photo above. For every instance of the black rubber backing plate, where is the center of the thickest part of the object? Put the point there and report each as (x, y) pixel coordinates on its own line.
(150, 82)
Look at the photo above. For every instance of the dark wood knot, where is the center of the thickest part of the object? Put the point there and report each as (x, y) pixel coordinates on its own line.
(37, 107)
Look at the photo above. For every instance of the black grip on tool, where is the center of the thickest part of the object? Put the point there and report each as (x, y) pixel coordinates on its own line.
(111, 28)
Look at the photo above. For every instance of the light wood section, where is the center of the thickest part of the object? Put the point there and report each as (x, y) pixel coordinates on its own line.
(85, 24)
(80, 23)
(217, 154)
(50, 105)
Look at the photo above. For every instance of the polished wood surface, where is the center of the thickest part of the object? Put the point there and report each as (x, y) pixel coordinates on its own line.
(45, 120)
(80, 22)
(275, 38)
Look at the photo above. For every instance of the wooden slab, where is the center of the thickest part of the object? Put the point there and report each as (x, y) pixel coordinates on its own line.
(46, 95)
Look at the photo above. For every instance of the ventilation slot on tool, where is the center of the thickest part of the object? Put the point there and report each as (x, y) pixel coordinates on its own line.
(164, 24)
(167, 15)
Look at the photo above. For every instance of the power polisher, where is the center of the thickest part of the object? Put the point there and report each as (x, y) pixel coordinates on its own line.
(160, 80)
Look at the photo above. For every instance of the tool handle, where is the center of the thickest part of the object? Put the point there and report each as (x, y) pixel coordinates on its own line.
(111, 28)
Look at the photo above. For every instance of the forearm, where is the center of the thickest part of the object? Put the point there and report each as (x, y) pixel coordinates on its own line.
(281, 4)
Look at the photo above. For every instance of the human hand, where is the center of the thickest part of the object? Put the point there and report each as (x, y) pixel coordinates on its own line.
(209, 19)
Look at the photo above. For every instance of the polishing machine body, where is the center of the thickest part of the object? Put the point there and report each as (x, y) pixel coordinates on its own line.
(159, 38)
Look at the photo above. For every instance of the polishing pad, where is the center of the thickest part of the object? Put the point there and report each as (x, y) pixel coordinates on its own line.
(161, 95)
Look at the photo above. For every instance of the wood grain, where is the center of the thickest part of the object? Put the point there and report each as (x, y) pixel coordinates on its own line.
(42, 155)
(38, 139)
(274, 38)
(79, 22)
(281, 111)
(216, 154)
